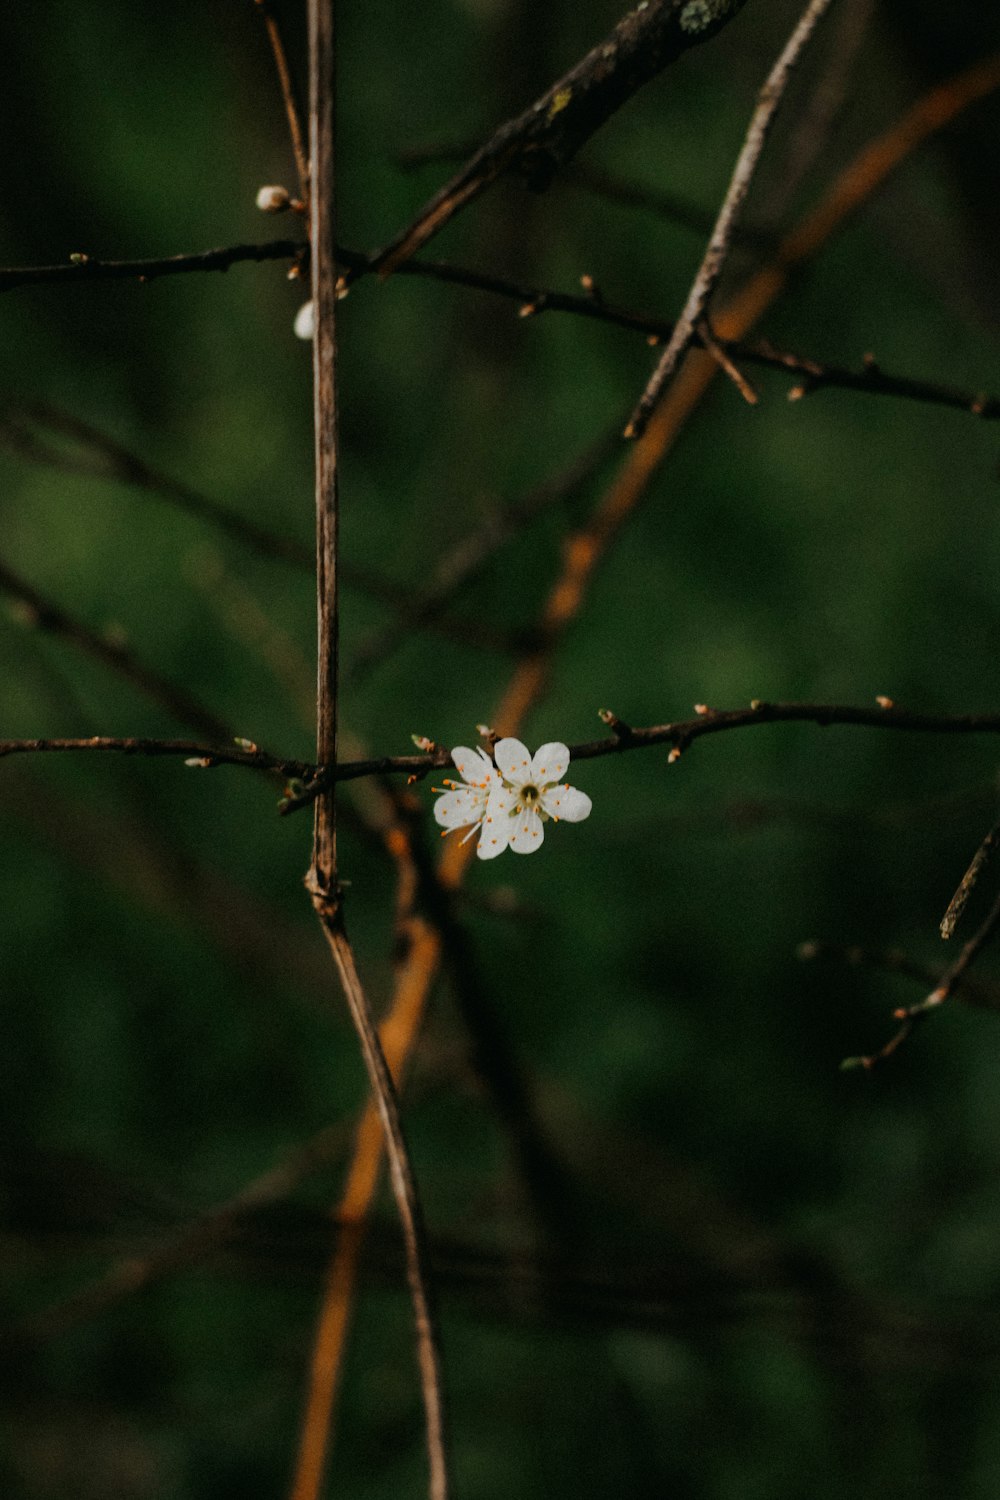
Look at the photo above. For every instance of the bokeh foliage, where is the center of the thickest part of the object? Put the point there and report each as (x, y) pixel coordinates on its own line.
(772, 1278)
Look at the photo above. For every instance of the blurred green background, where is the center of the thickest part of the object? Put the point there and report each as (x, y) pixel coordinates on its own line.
(751, 1274)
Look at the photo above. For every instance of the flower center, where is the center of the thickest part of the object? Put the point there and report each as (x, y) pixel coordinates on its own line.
(529, 795)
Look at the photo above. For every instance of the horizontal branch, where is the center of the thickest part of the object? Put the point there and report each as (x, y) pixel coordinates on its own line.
(678, 734)
(245, 754)
(811, 375)
(85, 268)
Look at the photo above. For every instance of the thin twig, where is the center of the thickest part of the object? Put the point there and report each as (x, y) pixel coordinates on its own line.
(233, 754)
(321, 880)
(295, 130)
(85, 268)
(871, 379)
(956, 905)
(679, 733)
(911, 1016)
(315, 1429)
(714, 260)
(712, 346)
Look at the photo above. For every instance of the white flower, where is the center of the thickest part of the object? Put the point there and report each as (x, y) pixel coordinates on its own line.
(510, 802)
(466, 806)
(305, 321)
(532, 791)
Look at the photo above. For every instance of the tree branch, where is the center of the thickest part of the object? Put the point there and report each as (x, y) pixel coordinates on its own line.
(538, 143)
(679, 734)
(85, 269)
(710, 270)
(321, 880)
(870, 380)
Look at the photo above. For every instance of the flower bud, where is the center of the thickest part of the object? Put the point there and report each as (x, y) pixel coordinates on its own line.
(305, 321)
(272, 199)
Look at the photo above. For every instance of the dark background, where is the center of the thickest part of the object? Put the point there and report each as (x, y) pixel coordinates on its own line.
(762, 1276)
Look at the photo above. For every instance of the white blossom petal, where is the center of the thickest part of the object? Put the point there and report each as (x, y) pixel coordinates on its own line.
(514, 761)
(494, 838)
(474, 766)
(549, 763)
(527, 832)
(566, 803)
(459, 808)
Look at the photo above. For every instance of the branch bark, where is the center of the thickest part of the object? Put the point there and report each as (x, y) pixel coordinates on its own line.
(539, 143)
(321, 880)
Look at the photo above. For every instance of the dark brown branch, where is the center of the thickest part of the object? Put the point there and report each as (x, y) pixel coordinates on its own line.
(321, 879)
(204, 755)
(86, 269)
(871, 379)
(683, 733)
(717, 252)
(45, 615)
(539, 143)
(679, 734)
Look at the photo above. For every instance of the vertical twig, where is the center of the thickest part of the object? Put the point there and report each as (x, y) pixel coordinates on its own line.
(321, 880)
(288, 96)
(768, 103)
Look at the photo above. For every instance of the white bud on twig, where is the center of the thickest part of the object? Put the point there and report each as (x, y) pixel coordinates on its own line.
(305, 321)
(272, 199)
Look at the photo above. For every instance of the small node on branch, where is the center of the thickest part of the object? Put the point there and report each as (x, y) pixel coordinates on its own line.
(424, 742)
(675, 755)
(653, 340)
(273, 199)
(78, 258)
(870, 364)
(247, 745)
(618, 727)
(703, 711)
(591, 288)
(883, 701)
(486, 733)
(531, 309)
(200, 761)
